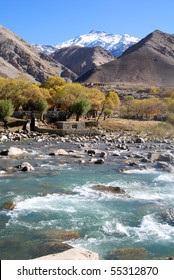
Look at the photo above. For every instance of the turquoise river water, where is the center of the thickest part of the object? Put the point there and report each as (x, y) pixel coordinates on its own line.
(59, 195)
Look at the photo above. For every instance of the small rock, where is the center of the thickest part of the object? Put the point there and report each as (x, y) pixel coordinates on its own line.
(91, 152)
(25, 166)
(59, 152)
(10, 205)
(97, 161)
(81, 161)
(139, 140)
(3, 138)
(17, 138)
(116, 153)
(103, 154)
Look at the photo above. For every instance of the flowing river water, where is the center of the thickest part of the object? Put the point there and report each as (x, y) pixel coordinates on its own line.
(59, 195)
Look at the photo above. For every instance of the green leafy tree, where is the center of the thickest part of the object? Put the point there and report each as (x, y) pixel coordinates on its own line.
(6, 110)
(42, 107)
(80, 107)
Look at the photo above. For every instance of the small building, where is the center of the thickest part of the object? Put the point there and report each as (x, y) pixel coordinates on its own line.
(71, 125)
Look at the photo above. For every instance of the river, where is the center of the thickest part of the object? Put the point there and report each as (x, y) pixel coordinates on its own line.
(59, 195)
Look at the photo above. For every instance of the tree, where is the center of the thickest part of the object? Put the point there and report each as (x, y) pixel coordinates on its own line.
(96, 99)
(110, 104)
(41, 106)
(64, 96)
(22, 93)
(54, 81)
(144, 109)
(126, 106)
(80, 107)
(6, 110)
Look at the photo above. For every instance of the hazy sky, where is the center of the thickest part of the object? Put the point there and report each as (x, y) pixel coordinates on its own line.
(55, 21)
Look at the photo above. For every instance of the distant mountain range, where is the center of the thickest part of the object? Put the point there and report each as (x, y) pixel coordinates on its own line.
(146, 62)
(149, 62)
(114, 43)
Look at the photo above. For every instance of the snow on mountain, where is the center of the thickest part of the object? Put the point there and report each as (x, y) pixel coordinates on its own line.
(114, 43)
(48, 49)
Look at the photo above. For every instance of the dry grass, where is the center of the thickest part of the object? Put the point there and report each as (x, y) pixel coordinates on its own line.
(151, 128)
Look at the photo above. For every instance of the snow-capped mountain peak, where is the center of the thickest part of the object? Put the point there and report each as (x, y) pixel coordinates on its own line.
(114, 43)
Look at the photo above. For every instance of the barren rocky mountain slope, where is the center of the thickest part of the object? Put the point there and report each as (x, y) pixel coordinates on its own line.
(149, 62)
(18, 57)
(82, 59)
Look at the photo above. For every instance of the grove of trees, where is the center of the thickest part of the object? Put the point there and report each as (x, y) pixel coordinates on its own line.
(78, 100)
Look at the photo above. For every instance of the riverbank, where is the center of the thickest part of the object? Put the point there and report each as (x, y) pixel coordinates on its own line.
(150, 129)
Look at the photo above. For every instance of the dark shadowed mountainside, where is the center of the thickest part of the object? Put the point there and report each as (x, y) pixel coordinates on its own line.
(82, 59)
(150, 62)
(18, 57)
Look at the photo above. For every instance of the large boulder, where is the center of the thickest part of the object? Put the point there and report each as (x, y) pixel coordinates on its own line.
(139, 140)
(169, 157)
(13, 151)
(165, 166)
(72, 254)
(114, 190)
(49, 247)
(154, 156)
(59, 152)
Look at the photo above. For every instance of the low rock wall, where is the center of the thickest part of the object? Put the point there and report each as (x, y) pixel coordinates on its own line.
(63, 132)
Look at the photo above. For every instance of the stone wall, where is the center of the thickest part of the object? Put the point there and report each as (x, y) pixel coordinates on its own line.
(71, 125)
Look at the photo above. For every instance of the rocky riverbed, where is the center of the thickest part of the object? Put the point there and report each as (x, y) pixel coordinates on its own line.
(130, 150)
(44, 175)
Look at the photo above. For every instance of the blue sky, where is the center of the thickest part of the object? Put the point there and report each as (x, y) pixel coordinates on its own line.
(55, 21)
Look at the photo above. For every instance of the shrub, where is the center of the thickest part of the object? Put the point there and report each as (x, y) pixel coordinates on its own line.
(6, 110)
